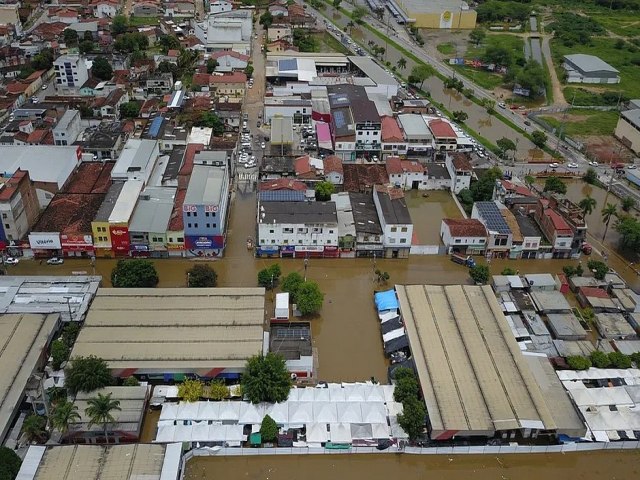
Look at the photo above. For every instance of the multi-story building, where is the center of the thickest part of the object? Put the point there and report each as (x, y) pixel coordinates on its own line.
(417, 134)
(500, 237)
(444, 136)
(71, 71)
(228, 85)
(68, 128)
(205, 207)
(406, 174)
(574, 216)
(148, 226)
(467, 236)
(19, 207)
(226, 30)
(393, 142)
(460, 170)
(555, 229)
(367, 224)
(395, 220)
(136, 161)
(346, 225)
(299, 229)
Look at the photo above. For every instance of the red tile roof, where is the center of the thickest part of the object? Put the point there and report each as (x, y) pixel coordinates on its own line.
(441, 129)
(17, 87)
(412, 166)
(230, 53)
(394, 193)
(37, 136)
(461, 162)
(593, 292)
(302, 165)
(360, 177)
(173, 53)
(70, 213)
(391, 131)
(189, 155)
(465, 227)
(90, 177)
(201, 79)
(333, 163)
(176, 223)
(235, 77)
(11, 185)
(559, 223)
(283, 184)
(393, 165)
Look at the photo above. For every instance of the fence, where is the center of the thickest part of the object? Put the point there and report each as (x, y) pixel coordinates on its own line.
(427, 250)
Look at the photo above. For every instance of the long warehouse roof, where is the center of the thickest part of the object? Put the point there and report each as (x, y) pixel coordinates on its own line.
(174, 328)
(473, 376)
(23, 338)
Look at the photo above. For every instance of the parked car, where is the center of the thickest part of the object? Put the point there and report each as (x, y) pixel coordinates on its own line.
(594, 163)
(45, 86)
(631, 167)
(502, 105)
(11, 261)
(553, 165)
(263, 145)
(55, 261)
(573, 165)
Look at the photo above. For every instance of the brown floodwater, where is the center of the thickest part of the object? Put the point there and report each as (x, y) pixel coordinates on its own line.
(614, 465)
(427, 210)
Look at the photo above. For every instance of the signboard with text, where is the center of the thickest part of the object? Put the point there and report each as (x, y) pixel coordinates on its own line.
(205, 242)
(45, 241)
(119, 239)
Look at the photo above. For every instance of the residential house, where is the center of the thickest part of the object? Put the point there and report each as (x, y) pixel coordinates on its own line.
(406, 174)
(500, 237)
(278, 32)
(229, 61)
(555, 229)
(218, 6)
(393, 142)
(532, 237)
(574, 216)
(460, 170)
(369, 234)
(71, 71)
(308, 168)
(298, 229)
(64, 15)
(281, 45)
(159, 83)
(278, 10)
(346, 225)
(507, 190)
(417, 134)
(105, 8)
(467, 236)
(361, 177)
(444, 136)
(109, 106)
(395, 220)
(228, 85)
(104, 141)
(19, 207)
(333, 171)
(438, 177)
(68, 128)
(147, 9)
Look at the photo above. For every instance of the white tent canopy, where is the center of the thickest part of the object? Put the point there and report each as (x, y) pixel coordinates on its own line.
(354, 393)
(361, 431)
(250, 413)
(340, 433)
(279, 412)
(188, 410)
(230, 411)
(601, 373)
(209, 411)
(380, 430)
(300, 412)
(325, 412)
(169, 411)
(306, 394)
(317, 432)
(374, 413)
(200, 432)
(349, 412)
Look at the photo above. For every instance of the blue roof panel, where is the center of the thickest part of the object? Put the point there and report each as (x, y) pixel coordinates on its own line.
(492, 217)
(154, 129)
(288, 64)
(282, 196)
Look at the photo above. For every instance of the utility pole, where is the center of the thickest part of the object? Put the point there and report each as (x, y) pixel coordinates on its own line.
(564, 118)
(68, 299)
(306, 264)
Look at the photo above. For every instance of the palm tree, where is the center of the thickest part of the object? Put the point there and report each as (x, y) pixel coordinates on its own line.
(99, 411)
(587, 204)
(402, 63)
(33, 427)
(64, 415)
(607, 212)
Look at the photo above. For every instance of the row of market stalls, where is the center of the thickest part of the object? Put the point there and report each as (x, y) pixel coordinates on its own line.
(337, 414)
(392, 329)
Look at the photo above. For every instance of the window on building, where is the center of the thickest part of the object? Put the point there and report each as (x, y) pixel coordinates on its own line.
(213, 214)
(299, 242)
(195, 214)
(206, 214)
(273, 241)
(315, 242)
(285, 241)
(180, 239)
(271, 231)
(208, 225)
(188, 225)
(394, 229)
(403, 240)
(287, 230)
(403, 229)
(4, 215)
(214, 225)
(458, 240)
(188, 214)
(330, 231)
(195, 225)
(392, 240)
(6, 225)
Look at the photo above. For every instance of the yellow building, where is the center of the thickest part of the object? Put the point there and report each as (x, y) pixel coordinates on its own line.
(448, 14)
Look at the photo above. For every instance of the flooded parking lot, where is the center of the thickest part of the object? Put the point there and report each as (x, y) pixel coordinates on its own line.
(591, 466)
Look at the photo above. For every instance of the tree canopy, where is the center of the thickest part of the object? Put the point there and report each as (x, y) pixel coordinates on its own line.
(324, 190)
(477, 35)
(266, 379)
(9, 464)
(202, 276)
(269, 429)
(590, 176)
(211, 120)
(309, 298)
(119, 24)
(212, 64)
(291, 283)
(479, 273)
(505, 145)
(86, 374)
(554, 184)
(130, 109)
(134, 273)
(102, 68)
(268, 277)
(539, 138)
(419, 74)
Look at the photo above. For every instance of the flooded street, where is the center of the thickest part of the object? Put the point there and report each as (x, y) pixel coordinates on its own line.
(591, 466)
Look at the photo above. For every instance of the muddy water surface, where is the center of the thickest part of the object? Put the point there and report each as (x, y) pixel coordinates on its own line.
(591, 466)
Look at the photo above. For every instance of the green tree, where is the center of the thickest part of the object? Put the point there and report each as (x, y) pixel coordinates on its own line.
(291, 283)
(599, 359)
(460, 116)
(407, 386)
(412, 418)
(43, 60)
(324, 190)
(599, 269)
(309, 298)
(266, 379)
(202, 276)
(212, 64)
(477, 35)
(498, 54)
(587, 205)
(508, 271)
(489, 105)
(134, 273)
(358, 14)
(86, 46)
(86, 374)
(529, 180)
(168, 67)
(532, 77)
(211, 120)
(59, 353)
(479, 274)
(100, 411)
(168, 42)
(336, 3)
(482, 190)
(131, 381)
(130, 109)
(70, 36)
(268, 277)
(119, 25)
(9, 464)
(635, 358)
(269, 427)
(402, 63)
(248, 71)
(382, 277)
(608, 213)
(63, 416)
(34, 428)
(627, 203)
(419, 74)
(554, 184)
(70, 332)
(579, 363)
(56, 394)
(102, 68)
(191, 390)
(590, 176)
(218, 390)
(619, 360)
(539, 138)
(505, 145)
(266, 19)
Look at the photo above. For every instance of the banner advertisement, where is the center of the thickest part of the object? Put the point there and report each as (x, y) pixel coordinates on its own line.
(45, 241)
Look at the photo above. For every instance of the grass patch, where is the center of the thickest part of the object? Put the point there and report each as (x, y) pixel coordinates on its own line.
(604, 48)
(143, 21)
(446, 48)
(483, 78)
(512, 43)
(328, 43)
(590, 122)
(625, 24)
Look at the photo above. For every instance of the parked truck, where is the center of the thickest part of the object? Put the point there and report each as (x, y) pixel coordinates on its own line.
(463, 260)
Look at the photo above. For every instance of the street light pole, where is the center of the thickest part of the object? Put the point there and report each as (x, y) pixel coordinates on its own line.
(306, 264)
(68, 299)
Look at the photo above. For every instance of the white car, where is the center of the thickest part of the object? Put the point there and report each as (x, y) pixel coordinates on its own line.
(572, 165)
(11, 261)
(594, 164)
(553, 165)
(502, 105)
(55, 261)
(263, 145)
